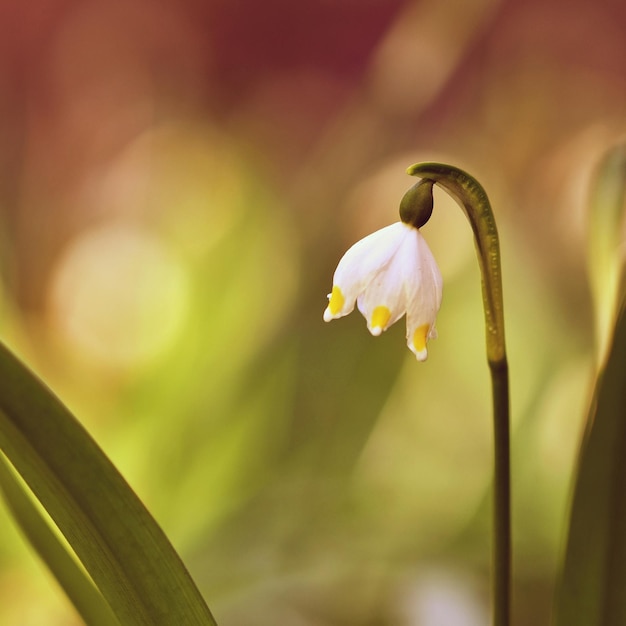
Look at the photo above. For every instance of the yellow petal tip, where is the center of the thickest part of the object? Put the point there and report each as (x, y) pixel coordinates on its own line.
(380, 318)
(335, 303)
(420, 336)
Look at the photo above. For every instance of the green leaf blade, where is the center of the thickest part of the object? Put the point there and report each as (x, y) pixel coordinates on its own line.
(591, 591)
(121, 546)
(87, 600)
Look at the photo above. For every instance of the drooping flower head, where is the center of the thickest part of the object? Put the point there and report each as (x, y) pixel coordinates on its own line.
(392, 272)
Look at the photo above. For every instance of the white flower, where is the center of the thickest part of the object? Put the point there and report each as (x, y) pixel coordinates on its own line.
(387, 274)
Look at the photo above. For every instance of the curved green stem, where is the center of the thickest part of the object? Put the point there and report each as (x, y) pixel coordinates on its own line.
(473, 200)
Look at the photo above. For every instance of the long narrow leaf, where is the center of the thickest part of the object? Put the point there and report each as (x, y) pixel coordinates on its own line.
(605, 259)
(87, 600)
(125, 552)
(594, 576)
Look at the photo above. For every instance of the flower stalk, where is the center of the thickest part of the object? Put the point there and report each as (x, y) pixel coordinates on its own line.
(392, 272)
(472, 198)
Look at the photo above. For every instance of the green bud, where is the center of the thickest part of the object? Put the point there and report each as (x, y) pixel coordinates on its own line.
(416, 206)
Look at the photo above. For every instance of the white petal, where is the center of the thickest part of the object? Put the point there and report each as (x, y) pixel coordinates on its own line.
(361, 264)
(388, 288)
(424, 295)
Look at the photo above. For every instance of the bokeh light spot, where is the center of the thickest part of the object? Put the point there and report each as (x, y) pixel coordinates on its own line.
(119, 296)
